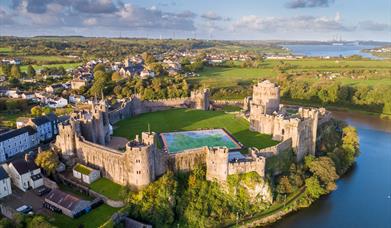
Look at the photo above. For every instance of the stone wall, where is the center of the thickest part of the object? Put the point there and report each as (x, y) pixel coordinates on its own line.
(273, 150)
(254, 165)
(220, 103)
(186, 161)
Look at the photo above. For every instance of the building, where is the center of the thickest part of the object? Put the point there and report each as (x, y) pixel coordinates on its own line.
(5, 183)
(46, 126)
(147, 74)
(55, 88)
(74, 99)
(77, 84)
(57, 102)
(85, 173)
(17, 141)
(267, 116)
(66, 203)
(25, 174)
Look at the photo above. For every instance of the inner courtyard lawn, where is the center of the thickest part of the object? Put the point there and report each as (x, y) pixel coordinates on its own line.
(107, 188)
(189, 119)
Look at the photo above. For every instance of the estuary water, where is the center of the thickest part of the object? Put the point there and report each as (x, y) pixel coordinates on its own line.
(363, 196)
(323, 50)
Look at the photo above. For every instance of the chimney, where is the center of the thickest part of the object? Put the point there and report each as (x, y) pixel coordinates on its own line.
(26, 157)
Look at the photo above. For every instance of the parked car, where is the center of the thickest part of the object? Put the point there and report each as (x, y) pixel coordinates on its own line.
(25, 209)
(42, 191)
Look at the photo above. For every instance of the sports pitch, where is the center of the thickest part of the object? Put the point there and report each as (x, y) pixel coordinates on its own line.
(175, 142)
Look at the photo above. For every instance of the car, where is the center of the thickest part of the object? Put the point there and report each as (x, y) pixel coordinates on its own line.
(25, 209)
(42, 191)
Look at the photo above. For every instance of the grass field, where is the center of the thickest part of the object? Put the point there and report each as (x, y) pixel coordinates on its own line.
(93, 219)
(107, 188)
(48, 58)
(223, 77)
(187, 119)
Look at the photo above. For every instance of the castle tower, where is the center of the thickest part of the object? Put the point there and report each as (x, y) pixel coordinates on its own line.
(217, 164)
(66, 138)
(200, 98)
(267, 95)
(140, 153)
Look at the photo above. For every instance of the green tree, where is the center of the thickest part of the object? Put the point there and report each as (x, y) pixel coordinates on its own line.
(324, 169)
(36, 111)
(39, 221)
(15, 71)
(30, 71)
(284, 186)
(48, 160)
(99, 67)
(313, 188)
(148, 58)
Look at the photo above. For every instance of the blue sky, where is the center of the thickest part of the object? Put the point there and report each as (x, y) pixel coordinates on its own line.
(213, 19)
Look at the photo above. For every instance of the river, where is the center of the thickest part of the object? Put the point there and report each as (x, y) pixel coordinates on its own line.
(330, 50)
(363, 196)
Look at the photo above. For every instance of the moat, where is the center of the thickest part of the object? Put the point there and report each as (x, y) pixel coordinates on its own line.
(363, 196)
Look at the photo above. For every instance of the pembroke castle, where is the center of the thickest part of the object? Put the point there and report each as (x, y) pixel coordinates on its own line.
(84, 138)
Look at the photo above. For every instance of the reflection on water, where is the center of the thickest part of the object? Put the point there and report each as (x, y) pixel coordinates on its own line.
(362, 198)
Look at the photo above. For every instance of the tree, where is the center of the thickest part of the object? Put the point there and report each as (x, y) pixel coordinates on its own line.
(99, 67)
(148, 58)
(15, 71)
(39, 221)
(36, 111)
(324, 169)
(284, 186)
(313, 188)
(30, 71)
(48, 160)
(116, 76)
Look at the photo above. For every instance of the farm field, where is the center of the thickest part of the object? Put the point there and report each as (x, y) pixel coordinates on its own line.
(223, 77)
(187, 120)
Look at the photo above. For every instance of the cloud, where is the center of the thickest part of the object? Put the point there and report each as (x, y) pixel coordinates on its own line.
(210, 15)
(374, 26)
(293, 4)
(298, 23)
(5, 17)
(101, 13)
(83, 6)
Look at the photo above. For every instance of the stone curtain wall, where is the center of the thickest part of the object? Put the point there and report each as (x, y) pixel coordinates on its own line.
(187, 160)
(273, 150)
(256, 165)
(110, 162)
(136, 106)
(219, 103)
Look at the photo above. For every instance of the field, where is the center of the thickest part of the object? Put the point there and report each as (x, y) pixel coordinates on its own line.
(223, 77)
(107, 188)
(187, 120)
(93, 219)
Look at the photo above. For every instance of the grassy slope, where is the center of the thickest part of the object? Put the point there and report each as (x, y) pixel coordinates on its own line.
(107, 188)
(186, 119)
(93, 219)
(220, 77)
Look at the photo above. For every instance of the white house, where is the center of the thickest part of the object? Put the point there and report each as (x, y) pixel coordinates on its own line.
(147, 74)
(5, 183)
(55, 88)
(46, 126)
(17, 141)
(85, 174)
(58, 102)
(25, 174)
(74, 99)
(28, 96)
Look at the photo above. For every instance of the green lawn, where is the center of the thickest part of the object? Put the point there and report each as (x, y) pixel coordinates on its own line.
(222, 77)
(107, 188)
(219, 77)
(48, 58)
(187, 119)
(93, 219)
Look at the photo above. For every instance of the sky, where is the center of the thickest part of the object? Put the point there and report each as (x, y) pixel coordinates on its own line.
(201, 19)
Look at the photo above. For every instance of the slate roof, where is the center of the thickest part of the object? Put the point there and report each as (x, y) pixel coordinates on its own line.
(22, 166)
(13, 133)
(40, 120)
(66, 200)
(3, 173)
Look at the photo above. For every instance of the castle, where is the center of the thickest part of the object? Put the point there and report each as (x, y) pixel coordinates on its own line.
(268, 116)
(85, 136)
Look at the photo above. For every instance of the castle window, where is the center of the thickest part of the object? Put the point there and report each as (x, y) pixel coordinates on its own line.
(282, 132)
